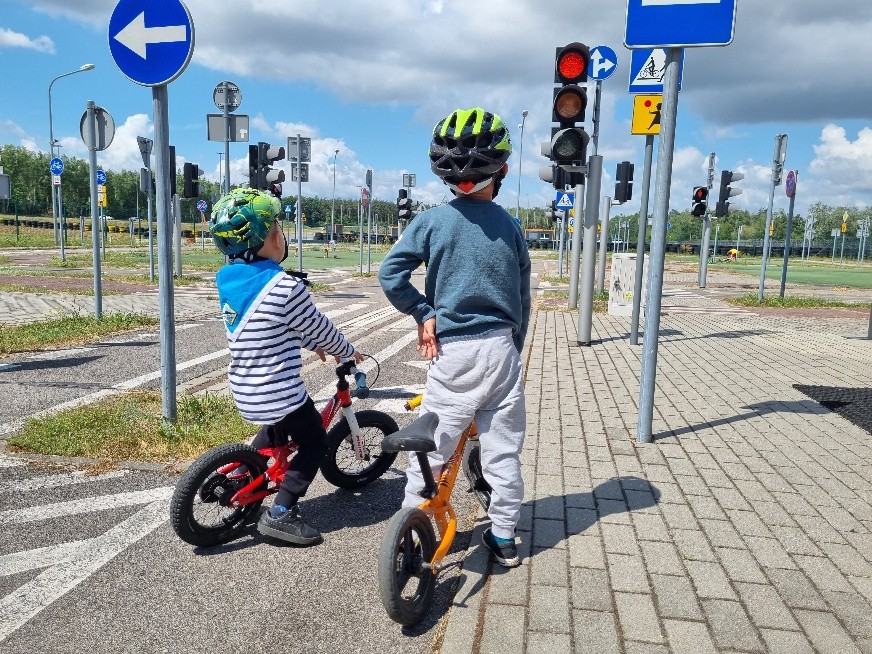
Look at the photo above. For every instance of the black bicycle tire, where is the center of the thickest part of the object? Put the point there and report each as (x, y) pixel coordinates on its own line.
(187, 489)
(475, 476)
(399, 609)
(336, 439)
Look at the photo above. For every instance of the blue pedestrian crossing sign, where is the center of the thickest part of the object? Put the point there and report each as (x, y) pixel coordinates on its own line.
(151, 41)
(56, 166)
(679, 23)
(647, 68)
(565, 200)
(603, 62)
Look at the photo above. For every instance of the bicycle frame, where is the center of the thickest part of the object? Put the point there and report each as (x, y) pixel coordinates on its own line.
(439, 506)
(281, 454)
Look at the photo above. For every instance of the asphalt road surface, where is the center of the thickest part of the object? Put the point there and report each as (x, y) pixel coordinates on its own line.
(89, 562)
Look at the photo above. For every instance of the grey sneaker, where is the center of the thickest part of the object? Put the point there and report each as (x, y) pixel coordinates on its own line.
(506, 554)
(289, 527)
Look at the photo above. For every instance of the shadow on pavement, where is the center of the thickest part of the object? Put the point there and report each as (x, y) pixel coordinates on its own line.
(853, 404)
(755, 411)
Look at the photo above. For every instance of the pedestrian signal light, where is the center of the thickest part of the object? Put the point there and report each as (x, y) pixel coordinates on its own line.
(192, 174)
(552, 213)
(699, 201)
(404, 205)
(624, 184)
(252, 166)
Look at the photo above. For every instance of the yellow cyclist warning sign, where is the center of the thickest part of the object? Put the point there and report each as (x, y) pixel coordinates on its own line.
(646, 114)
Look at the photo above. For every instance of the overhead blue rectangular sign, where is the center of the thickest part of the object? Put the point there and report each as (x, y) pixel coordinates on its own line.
(679, 23)
(647, 68)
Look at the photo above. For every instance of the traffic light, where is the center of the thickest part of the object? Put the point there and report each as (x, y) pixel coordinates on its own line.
(266, 175)
(404, 205)
(252, 166)
(726, 192)
(624, 184)
(699, 201)
(173, 187)
(192, 174)
(569, 141)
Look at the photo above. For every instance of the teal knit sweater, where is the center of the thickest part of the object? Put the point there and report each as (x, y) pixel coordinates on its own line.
(478, 271)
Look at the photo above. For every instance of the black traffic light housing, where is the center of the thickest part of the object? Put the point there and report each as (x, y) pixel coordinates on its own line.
(192, 174)
(252, 166)
(726, 192)
(266, 175)
(404, 205)
(699, 201)
(173, 183)
(569, 141)
(624, 183)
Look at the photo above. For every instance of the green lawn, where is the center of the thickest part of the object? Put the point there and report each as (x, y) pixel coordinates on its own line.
(849, 275)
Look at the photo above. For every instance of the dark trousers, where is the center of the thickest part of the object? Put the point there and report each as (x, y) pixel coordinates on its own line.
(305, 428)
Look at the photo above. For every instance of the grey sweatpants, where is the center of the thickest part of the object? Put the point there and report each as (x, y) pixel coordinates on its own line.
(479, 378)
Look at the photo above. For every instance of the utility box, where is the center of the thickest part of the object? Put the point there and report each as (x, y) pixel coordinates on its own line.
(623, 282)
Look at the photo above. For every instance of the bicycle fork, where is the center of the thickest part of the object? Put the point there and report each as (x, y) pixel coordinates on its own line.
(356, 437)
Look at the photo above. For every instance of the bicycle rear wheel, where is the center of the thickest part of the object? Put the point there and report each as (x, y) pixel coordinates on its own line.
(201, 512)
(341, 467)
(475, 476)
(405, 583)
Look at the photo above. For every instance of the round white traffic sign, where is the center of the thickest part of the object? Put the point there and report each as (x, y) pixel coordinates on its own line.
(227, 93)
(105, 129)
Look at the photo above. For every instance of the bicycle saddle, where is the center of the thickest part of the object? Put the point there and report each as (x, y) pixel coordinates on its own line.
(416, 437)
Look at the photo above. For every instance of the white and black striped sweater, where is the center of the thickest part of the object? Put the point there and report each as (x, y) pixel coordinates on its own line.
(269, 316)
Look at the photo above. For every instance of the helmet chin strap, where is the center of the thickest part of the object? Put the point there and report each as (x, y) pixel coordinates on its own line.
(467, 187)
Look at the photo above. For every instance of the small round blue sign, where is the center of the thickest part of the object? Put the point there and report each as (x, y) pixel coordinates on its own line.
(101, 178)
(603, 62)
(56, 166)
(151, 41)
(790, 183)
(201, 205)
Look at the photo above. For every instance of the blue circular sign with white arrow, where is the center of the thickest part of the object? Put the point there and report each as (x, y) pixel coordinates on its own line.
(151, 41)
(56, 166)
(101, 178)
(603, 62)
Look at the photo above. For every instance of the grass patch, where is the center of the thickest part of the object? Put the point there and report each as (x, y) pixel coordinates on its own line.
(320, 287)
(815, 273)
(72, 329)
(36, 288)
(131, 427)
(794, 302)
(559, 301)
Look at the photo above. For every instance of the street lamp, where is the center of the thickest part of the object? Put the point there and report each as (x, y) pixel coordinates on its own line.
(333, 204)
(520, 160)
(52, 143)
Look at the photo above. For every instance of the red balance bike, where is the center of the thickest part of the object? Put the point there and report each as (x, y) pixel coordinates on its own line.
(220, 491)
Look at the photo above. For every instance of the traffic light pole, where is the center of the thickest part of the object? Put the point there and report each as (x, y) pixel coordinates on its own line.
(575, 254)
(591, 217)
(604, 244)
(776, 179)
(299, 165)
(669, 111)
(640, 242)
(706, 227)
(787, 245)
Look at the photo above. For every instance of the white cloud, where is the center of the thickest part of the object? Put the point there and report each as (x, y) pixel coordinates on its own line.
(10, 39)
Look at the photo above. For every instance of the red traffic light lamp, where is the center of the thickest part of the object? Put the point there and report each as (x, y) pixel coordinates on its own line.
(572, 63)
(699, 202)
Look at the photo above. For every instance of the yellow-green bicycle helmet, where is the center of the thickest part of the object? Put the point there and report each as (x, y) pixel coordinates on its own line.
(469, 145)
(241, 219)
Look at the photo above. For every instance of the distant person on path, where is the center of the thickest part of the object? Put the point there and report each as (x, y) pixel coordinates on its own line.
(473, 315)
(733, 254)
(269, 315)
(333, 247)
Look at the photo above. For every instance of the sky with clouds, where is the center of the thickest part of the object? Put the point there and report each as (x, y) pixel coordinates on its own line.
(370, 78)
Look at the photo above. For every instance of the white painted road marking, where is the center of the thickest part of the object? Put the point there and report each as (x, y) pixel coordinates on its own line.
(22, 604)
(84, 505)
(53, 481)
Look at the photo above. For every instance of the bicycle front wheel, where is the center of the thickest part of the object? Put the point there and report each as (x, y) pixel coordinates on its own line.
(341, 467)
(475, 476)
(405, 581)
(201, 512)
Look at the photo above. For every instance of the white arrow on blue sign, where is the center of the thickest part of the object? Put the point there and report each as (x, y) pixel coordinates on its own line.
(56, 166)
(151, 41)
(679, 23)
(603, 62)
(565, 200)
(101, 178)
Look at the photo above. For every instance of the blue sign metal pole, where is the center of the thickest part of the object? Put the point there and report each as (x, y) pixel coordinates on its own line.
(668, 117)
(95, 229)
(584, 327)
(640, 242)
(165, 250)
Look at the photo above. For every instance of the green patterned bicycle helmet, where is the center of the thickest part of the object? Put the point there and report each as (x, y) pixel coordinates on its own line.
(241, 219)
(469, 145)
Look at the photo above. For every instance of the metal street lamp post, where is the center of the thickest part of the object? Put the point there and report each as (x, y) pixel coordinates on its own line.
(520, 161)
(55, 196)
(333, 204)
